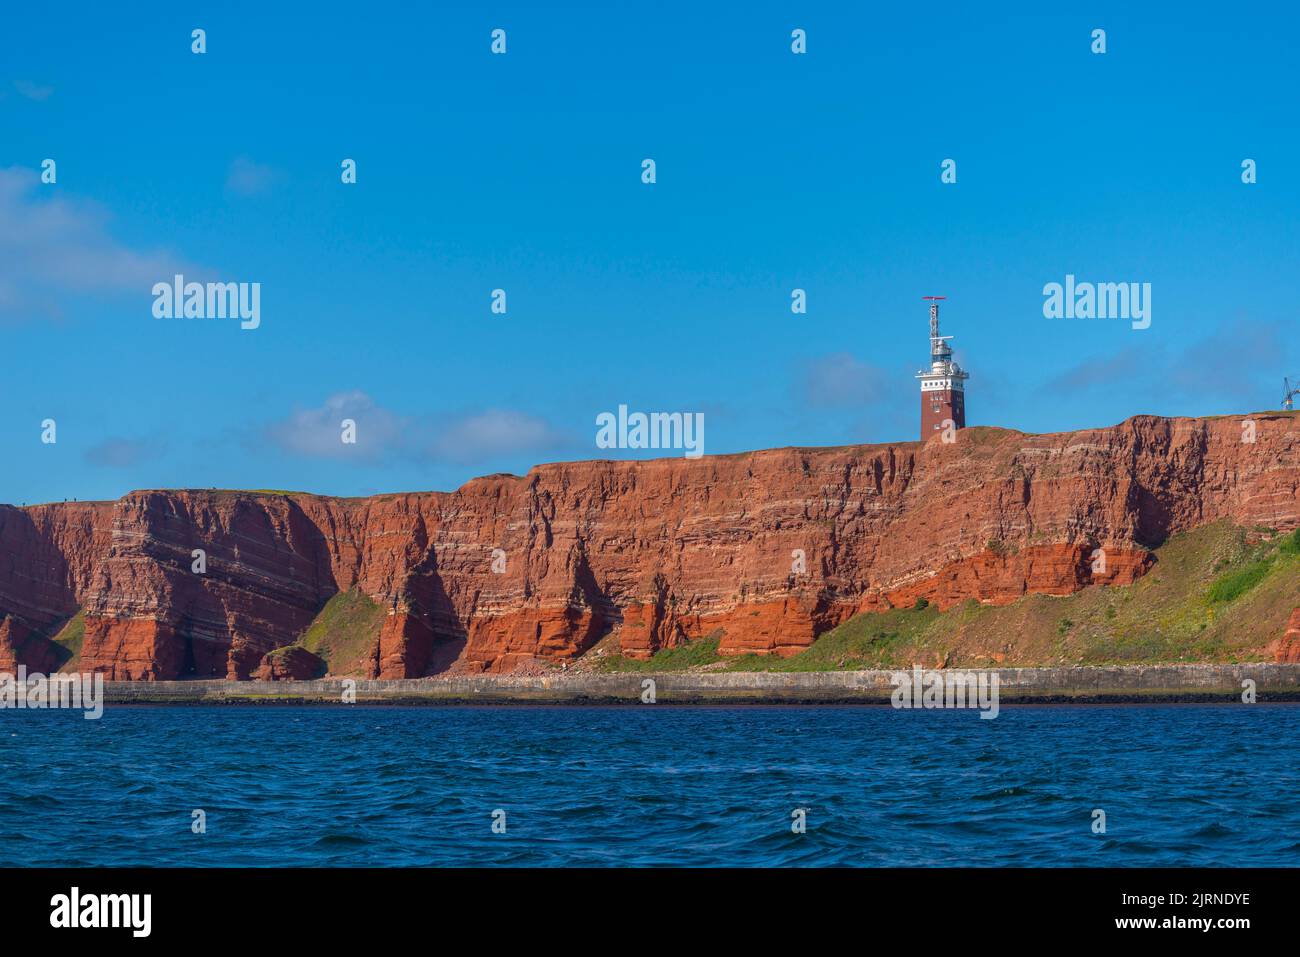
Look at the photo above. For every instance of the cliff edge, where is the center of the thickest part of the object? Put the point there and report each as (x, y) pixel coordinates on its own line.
(765, 551)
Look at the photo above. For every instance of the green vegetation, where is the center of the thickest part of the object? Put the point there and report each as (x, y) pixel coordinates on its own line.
(864, 641)
(69, 639)
(345, 631)
(1232, 585)
(278, 654)
(702, 651)
(235, 492)
(1219, 593)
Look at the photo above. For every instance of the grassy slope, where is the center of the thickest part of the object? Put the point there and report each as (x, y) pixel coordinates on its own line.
(700, 652)
(66, 641)
(1212, 596)
(69, 638)
(344, 632)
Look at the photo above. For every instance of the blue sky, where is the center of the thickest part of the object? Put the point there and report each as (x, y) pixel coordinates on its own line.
(523, 172)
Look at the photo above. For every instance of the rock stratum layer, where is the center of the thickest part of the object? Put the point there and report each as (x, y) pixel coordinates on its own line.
(766, 549)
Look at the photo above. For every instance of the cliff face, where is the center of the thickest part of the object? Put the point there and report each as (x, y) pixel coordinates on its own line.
(770, 547)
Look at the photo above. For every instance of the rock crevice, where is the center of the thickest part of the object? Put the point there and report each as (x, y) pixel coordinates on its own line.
(769, 549)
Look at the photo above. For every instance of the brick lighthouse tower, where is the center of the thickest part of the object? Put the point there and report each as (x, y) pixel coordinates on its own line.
(943, 385)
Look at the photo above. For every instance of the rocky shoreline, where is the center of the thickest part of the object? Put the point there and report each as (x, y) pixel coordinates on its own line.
(1103, 685)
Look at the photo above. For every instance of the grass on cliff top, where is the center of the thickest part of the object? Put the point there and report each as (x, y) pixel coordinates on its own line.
(1219, 593)
(225, 492)
(345, 632)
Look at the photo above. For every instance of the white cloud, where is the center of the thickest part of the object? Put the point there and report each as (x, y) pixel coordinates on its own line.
(122, 453)
(247, 178)
(33, 91)
(382, 434)
(53, 247)
(493, 433)
(318, 432)
(840, 380)
(1224, 365)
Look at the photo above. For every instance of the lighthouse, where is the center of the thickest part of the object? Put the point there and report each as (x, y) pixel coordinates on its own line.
(943, 385)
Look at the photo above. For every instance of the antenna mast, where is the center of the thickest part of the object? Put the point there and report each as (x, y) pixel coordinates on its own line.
(938, 351)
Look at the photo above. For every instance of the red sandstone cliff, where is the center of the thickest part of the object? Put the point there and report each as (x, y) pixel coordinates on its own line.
(662, 550)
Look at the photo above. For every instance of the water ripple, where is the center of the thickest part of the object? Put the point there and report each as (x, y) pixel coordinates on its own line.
(650, 786)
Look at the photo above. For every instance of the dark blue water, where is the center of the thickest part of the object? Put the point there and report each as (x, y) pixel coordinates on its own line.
(1207, 785)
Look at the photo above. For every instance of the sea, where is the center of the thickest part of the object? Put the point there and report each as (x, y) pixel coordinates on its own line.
(548, 786)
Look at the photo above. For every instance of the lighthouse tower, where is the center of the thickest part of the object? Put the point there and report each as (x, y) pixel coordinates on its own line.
(943, 385)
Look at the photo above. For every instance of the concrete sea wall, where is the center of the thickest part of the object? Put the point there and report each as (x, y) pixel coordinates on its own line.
(1136, 683)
